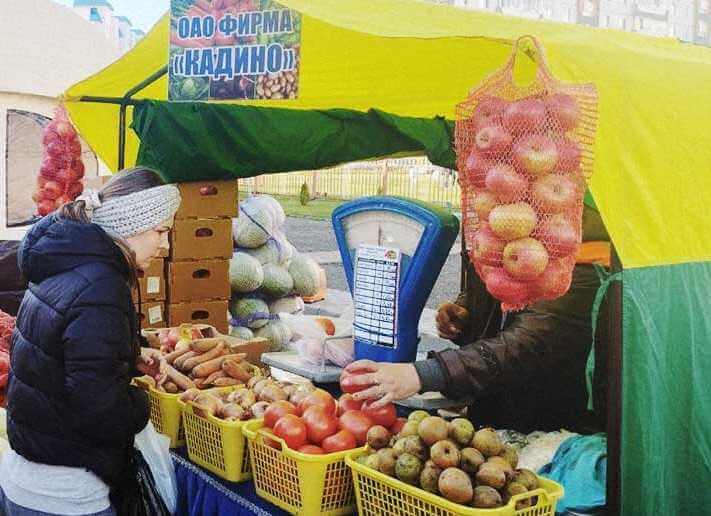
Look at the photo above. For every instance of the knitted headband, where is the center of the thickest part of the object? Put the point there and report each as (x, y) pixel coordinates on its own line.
(131, 214)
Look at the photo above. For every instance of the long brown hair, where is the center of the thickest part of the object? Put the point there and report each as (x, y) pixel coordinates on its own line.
(125, 182)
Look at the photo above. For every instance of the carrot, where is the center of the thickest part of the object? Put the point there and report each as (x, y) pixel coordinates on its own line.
(199, 383)
(183, 382)
(204, 345)
(200, 358)
(214, 376)
(236, 370)
(178, 362)
(209, 367)
(171, 357)
(226, 382)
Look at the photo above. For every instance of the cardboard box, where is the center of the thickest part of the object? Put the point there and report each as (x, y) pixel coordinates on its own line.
(208, 199)
(200, 239)
(213, 313)
(152, 315)
(151, 282)
(198, 280)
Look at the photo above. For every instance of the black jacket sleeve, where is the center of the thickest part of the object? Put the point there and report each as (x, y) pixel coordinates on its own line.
(98, 359)
(541, 340)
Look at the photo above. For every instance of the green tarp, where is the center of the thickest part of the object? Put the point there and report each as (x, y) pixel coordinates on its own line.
(666, 411)
(188, 141)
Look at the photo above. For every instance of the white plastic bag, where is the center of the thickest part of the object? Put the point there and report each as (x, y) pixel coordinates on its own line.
(314, 346)
(155, 449)
(340, 351)
(308, 338)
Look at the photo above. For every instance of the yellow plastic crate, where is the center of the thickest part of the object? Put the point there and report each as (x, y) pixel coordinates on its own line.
(165, 415)
(299, 483)
(381, 495)
(216, 445)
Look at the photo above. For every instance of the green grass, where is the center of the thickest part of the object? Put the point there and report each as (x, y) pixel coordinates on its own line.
(317, 209)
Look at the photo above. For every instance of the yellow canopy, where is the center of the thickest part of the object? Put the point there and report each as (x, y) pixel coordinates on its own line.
(653, 152)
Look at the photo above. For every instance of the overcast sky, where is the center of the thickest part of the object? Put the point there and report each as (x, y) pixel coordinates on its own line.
(142, 13)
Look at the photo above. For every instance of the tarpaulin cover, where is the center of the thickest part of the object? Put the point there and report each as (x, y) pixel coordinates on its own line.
(666, 417)
(221, 141)
(417, 59)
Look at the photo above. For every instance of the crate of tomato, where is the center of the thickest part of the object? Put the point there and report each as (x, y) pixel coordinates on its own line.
(298, 450)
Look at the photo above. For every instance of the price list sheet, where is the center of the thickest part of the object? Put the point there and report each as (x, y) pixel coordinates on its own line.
(376, 293)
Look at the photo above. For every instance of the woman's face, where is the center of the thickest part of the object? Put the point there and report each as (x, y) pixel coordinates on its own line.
(148, 244)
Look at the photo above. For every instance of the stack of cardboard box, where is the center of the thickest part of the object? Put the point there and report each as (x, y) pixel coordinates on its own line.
(151, 283)
(197, 271)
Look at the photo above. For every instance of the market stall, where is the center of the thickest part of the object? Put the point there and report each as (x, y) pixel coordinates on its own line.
(374, 84)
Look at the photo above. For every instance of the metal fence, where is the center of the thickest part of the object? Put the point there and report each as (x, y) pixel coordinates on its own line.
(415, 178)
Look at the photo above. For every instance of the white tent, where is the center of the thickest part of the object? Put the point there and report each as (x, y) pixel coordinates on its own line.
(44, 48)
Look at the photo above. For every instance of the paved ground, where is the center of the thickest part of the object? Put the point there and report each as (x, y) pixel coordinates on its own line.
(310, 235)
(316, 238)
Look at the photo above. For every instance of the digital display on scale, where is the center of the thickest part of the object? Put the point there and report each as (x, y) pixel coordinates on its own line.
(376, 294)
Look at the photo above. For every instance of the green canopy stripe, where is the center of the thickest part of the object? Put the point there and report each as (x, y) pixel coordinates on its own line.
(191, 141)
(666, 390)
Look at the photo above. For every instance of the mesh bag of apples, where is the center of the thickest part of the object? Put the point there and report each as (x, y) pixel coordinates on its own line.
(60, 178)
(7, 324)
(524, 154)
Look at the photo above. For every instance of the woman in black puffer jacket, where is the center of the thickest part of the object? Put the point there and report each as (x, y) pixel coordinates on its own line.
(72, 413)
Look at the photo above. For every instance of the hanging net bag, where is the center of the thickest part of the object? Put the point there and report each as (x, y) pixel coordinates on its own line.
(60, 179)
(523, 155)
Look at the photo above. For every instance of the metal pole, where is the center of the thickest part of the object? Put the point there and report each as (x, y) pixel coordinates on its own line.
(123, 103)
(614, 392)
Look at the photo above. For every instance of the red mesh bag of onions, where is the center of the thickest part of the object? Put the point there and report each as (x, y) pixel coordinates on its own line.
(524, 153)
(61, 176)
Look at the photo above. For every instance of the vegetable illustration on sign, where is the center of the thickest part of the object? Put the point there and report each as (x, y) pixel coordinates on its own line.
(233, 49)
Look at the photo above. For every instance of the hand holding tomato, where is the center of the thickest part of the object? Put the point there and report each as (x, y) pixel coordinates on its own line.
(383, 382)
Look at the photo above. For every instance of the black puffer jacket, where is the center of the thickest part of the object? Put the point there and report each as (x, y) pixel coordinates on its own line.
(73, 353)
(526, 371)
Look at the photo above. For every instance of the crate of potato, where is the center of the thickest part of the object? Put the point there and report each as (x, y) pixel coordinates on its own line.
(446, 468)
(194, 362)
(213, 424)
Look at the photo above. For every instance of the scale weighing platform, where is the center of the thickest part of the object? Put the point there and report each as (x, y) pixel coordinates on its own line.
(392, 250)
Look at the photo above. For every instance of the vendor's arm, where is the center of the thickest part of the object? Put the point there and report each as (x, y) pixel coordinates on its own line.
(548, 335)
(483, 316)
(386, 382)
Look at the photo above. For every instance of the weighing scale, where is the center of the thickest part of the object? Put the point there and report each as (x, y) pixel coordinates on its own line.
(392, 251)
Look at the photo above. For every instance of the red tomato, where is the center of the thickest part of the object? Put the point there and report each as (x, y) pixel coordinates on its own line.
(356, 423)
(397, 425)
(320, 398)
(319, 424)
(311, 449)
(292, 429)
(276, 411)
(346, 403)
(271, 442)
(347, 382)
(385, 416)
(340, 441)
